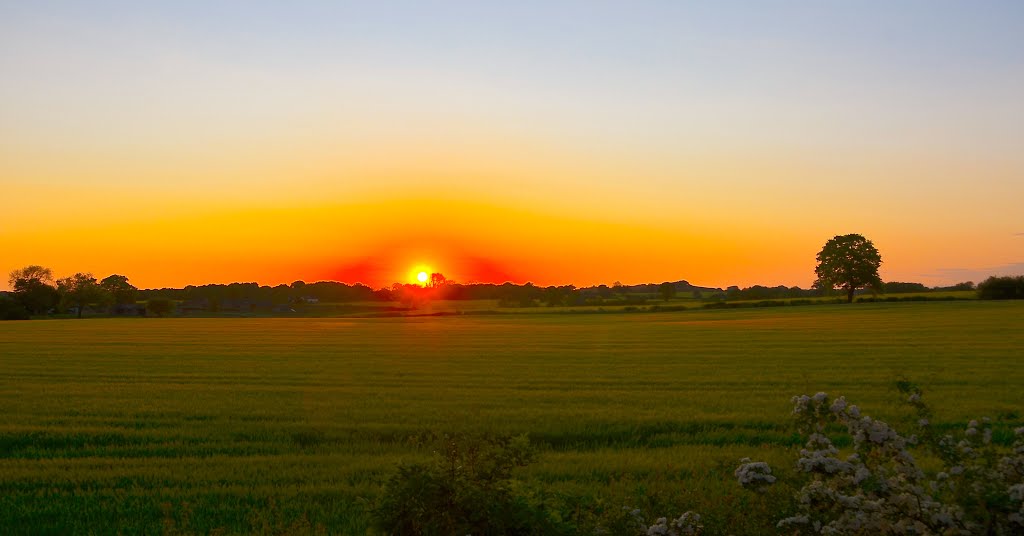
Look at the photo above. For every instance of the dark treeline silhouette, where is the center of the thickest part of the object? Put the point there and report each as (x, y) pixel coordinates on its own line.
(37, 293)
(221, 296)
(326, 291)
(1002, 288)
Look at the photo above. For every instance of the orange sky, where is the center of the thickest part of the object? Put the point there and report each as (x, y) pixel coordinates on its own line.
(578, 144)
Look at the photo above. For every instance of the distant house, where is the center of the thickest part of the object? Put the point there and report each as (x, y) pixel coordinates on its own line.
(310, 299)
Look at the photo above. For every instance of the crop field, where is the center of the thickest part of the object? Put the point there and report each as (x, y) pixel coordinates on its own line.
(238, 425)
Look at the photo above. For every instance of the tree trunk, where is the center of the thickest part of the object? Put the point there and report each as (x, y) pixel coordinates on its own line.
(80, 307)
(849, 295)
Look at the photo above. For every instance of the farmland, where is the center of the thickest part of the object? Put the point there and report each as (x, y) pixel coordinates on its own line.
(238, 424)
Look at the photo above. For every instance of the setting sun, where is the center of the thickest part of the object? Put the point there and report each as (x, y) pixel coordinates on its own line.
(419, 274)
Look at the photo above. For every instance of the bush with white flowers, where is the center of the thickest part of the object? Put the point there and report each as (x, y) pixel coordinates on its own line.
(880, 488)
(687, 524)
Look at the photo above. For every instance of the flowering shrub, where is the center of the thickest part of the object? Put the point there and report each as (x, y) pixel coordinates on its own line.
(879, 488)
(754, 475)
(687, 524)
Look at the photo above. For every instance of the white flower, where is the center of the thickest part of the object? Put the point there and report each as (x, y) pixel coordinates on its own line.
(839, 405)
(754, 474)
(688, 524)
(660, 527)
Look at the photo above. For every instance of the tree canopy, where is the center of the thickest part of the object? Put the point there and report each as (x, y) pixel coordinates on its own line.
(80, 290)
(120, 290)
(33, 289)
(848, 262)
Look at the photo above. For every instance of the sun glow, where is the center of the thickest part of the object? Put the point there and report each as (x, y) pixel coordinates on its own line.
(419, 274)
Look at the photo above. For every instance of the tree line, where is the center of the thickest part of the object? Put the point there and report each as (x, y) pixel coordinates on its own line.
(37, 293)
(846, 263)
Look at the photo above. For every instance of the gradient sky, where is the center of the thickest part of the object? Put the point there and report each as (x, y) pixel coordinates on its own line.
(554, 142)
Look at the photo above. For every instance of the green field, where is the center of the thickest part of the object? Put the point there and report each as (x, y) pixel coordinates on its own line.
(240, 424)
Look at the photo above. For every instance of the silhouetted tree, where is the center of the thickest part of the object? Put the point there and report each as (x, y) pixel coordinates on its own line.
(31, 272)
(159, 306)
(1002, 288)
(897, 287)
(667, 290)
(120, 290)
(11, 310)
(80, 290)
(437, 280)
(848, 262)
(33, 289)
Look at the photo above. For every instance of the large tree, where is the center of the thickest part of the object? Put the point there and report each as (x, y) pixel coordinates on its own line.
(848, 262)
(119, 289)
(33, 289)
(437, 280)
(80, 290)
(667, 290)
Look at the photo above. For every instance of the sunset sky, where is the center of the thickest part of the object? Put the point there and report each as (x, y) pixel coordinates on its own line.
(554, 142)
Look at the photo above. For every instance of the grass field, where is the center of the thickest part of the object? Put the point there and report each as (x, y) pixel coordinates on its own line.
(155, 425)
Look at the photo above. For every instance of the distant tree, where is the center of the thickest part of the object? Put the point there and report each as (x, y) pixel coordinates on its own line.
(1002, 288)
(80, 290)
(558, 296)
(33, 289)
(848, 262)
(896, 287)
(437, 280)
(159, 306)
(120, 290)
(29, 273)
(715, 297)
(667, 290)
(11, 310)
